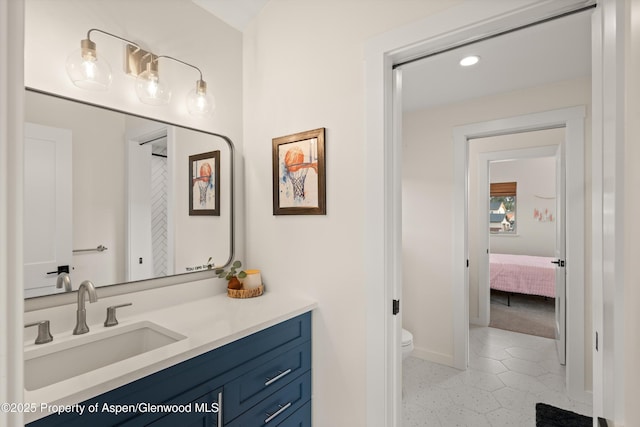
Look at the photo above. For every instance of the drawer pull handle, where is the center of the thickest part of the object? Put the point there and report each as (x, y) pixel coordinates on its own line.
(220, 409)
(277, 377)
(278, 412)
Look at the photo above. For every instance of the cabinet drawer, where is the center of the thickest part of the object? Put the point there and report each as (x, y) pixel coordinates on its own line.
(300, 418)
(253, 386)
(202, 411)
(198, 405)
(279, 406)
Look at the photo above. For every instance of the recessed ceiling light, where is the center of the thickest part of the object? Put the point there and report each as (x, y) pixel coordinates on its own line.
(469, 60)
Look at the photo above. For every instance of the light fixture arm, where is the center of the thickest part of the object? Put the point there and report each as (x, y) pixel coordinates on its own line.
(154, 58)
(112, 35)
(182, 62)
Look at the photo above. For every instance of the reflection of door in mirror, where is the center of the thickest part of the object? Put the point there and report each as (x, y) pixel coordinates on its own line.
(47, 207)
(150, 227)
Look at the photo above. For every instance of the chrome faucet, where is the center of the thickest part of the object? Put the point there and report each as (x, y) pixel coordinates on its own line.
(64, 281)
(81, 313)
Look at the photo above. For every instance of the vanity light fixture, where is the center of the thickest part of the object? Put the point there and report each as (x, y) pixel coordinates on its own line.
(149, 88)
(86, 72)
(468, 61)
(84, 68)
(199, 103)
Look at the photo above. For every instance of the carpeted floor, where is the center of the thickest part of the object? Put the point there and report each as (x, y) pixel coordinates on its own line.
(550, 416)
(528, 314)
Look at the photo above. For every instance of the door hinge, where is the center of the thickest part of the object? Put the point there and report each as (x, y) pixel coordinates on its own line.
(596, 340)
(396, 307)
(467, 263)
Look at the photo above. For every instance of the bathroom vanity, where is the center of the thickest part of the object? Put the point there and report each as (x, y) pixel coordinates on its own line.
(239, 363)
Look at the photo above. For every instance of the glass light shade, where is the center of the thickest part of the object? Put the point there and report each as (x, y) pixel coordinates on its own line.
(86, 71)
(150, 89)
(199, 103)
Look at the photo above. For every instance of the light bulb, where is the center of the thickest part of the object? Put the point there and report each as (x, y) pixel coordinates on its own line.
(150, 89)
(85, 70)
(199, 103)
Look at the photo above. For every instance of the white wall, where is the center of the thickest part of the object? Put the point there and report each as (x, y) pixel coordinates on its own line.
(536, 189)
(427, 196)
(303, 64)
(631, 214)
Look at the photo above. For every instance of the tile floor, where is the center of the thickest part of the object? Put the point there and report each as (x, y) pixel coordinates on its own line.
(508, 374)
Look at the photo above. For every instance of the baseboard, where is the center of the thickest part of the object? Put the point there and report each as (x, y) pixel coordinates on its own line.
(432, 356)
(478, 321)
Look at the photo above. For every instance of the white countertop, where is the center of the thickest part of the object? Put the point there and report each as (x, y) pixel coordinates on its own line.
(208, 324)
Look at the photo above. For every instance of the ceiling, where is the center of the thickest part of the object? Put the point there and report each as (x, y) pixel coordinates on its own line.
(542, 54)
(237, 13)
(538, 55)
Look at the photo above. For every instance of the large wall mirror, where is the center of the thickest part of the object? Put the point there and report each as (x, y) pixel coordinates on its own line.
(116, 198)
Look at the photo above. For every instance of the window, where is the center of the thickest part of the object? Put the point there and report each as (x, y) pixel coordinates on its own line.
(502, 208)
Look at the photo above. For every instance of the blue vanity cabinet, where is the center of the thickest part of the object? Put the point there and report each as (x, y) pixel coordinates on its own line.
(202, 411)
(254, 377)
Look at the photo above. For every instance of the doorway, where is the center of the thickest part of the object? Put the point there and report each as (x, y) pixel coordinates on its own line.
(447, 29)
(512, 277)
(150, 176)
(572, 119)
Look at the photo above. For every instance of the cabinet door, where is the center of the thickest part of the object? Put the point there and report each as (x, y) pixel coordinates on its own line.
(202, 412)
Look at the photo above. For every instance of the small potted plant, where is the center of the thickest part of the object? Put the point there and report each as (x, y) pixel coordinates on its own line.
(233, 274)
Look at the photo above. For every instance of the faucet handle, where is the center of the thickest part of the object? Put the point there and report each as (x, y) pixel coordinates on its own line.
(111, 314)
(44, 333)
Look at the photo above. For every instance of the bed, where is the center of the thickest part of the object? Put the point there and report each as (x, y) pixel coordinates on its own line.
(523, 274)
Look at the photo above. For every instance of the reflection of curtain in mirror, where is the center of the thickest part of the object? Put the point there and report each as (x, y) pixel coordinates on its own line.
(159, 178)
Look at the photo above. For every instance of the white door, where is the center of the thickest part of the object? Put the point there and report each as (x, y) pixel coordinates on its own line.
(561, 293)
(139, 240)
(47, 207)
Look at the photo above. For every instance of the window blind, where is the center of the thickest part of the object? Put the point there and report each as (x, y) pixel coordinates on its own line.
(502, 189)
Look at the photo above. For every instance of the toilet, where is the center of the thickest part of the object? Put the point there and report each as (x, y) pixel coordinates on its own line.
(407, 343)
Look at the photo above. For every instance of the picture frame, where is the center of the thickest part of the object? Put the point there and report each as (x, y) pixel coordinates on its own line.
(299, 173)
(204, 184)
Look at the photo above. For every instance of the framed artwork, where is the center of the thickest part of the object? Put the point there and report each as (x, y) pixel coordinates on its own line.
(204, 184)
(299, 174)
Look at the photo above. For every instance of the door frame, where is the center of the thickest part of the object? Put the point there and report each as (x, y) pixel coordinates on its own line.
(467, 21)
(573, 120)
(484, 160)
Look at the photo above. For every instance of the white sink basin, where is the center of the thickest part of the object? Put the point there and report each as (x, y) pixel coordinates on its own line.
(47, 364)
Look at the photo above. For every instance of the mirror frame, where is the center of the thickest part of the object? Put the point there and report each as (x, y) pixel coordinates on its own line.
(39, 302)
